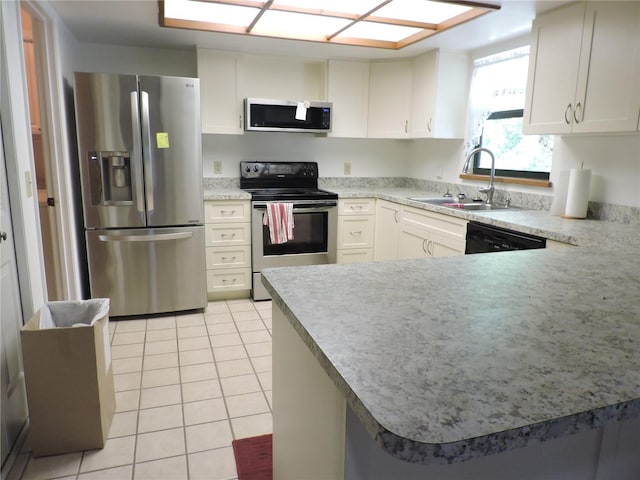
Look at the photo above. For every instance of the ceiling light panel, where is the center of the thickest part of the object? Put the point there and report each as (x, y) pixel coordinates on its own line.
(390, 24)
(420, 11)
(354, 7)
(210, 12)
(378, 31)
(288, 24)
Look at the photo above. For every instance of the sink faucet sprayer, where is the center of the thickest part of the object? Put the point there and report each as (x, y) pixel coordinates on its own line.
(489, 189)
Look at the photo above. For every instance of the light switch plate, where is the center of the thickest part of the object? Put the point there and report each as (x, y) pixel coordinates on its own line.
(217, 167)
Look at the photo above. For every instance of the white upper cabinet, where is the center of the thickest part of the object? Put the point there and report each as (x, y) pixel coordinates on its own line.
(220, 103)
(348, 90)
(609, 77)
(439, 95)
(389, 99)
(227, 78)
(584, 70)
(283, 78)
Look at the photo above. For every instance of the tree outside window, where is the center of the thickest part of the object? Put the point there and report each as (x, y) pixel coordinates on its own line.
(497, 101)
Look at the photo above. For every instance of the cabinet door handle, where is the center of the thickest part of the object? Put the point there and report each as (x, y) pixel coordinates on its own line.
(406, 126)
(429, 124)
(430, 247)
(567, 114)
(425, 246)
(395, 216)
(240, 121)
(575, 112)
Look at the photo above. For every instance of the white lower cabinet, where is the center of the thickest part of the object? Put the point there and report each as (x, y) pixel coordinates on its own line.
(405, 232)
(228, 249)
(442, 235)
(356, 222)
(387, 231)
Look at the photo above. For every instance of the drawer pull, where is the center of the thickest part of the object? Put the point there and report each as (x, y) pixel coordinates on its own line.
(226, 259)
(356, 234)
(355, 207)
(225, 281)
(227, 235)
(227, 212)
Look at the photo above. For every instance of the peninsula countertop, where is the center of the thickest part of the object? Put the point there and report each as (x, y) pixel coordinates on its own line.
(449, 359)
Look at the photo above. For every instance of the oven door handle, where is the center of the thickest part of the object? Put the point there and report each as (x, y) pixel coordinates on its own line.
(303, 207)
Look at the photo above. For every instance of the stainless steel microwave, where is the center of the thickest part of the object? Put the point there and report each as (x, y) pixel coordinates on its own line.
(287, 115)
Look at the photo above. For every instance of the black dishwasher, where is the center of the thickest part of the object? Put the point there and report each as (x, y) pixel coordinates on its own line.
(483, 238)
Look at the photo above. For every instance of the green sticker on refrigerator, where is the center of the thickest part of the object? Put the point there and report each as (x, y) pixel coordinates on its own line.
(162, 140)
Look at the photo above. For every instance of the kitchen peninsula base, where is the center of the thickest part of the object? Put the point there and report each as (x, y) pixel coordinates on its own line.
(317, 435)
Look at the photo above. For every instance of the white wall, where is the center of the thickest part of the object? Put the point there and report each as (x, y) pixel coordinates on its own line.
(613, 159)
(136, 60)
(368, 157)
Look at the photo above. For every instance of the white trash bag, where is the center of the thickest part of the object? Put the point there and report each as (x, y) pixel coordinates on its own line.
(79, 313)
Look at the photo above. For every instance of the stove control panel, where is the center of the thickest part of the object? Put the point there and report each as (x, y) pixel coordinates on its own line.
(271, 170)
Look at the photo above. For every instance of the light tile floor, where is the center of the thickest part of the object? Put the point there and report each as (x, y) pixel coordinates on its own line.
(186, 386)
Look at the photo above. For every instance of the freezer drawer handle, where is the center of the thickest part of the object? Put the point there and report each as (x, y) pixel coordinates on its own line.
(145, 238)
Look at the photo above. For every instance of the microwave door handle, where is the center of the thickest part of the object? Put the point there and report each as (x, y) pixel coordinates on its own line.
(147, 153)
(136, 155)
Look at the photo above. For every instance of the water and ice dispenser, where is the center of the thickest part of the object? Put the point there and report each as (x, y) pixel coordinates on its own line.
(110, 174)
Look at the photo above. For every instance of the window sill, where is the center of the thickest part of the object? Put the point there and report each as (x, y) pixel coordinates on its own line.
(518, 181)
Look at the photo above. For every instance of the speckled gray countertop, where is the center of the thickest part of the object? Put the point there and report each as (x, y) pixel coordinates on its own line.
(535, 222)
(448, 359)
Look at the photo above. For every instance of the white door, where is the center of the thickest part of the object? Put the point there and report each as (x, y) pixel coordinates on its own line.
(13, 398)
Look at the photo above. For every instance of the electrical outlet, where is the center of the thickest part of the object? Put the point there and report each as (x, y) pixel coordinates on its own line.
(217, 167)
(347, 168)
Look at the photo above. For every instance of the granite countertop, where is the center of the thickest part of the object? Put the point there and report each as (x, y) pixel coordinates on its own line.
(449, 359)
(534, 222)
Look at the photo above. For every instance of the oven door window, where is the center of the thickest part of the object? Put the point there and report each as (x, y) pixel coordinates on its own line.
(309, 235)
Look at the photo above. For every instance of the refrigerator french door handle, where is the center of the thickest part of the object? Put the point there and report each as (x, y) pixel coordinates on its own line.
(137, 153)
(145, 238)
(147, 155)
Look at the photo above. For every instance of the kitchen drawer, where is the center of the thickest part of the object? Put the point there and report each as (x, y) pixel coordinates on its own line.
(220, 280)
(355, 255)
(229, 257)
(227, 212)
(228, 234)
(355, 231)
(435, 222)
(357, 206)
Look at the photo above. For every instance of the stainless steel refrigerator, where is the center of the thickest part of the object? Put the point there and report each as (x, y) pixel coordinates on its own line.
(140, 156)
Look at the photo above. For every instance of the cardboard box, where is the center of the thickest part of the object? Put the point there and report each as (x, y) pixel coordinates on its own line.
(69, 380)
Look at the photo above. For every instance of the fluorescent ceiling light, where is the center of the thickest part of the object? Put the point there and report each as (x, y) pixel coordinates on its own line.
(378, 31)
(389, 24)
(210, 12)
(298, 25)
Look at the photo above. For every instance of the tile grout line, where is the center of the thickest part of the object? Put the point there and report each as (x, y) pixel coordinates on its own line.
(215, 365)
(184, 422)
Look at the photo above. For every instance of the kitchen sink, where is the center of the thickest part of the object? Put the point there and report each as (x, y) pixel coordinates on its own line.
(463, 204)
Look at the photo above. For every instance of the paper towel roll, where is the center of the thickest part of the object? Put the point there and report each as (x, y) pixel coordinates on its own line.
(578, 193)
(560, 189)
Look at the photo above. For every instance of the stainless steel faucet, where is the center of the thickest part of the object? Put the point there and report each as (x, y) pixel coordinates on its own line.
(489, 189)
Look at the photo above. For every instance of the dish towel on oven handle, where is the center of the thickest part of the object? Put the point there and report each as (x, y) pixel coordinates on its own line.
(279, 219)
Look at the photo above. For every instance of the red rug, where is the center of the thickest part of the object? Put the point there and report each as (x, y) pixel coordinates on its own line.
(254, 457)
